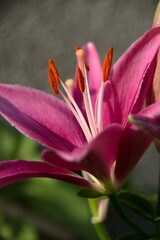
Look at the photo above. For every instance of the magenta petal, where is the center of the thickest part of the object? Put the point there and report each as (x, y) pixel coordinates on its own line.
(152, 111)
(40, 116)
(52, 158)
(128, 74)
(102, 152)
(148, 119)
(133, 144)
(147, 124)
(94, 74)
(18, 170)
(98, 156)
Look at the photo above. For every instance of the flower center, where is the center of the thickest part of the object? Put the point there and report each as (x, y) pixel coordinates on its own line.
(89, 127)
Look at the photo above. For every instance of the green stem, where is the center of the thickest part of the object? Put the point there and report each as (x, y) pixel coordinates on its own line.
(124, 218)
(101, 231)
(99, 226)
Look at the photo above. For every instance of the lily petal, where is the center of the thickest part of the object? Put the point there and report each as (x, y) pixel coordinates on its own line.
(40, 116)
(102, 152)
(148, 119)
(127, 76)
(18, 170)
(98, 156)
(147, 124)
(129, 153)
(52, 158)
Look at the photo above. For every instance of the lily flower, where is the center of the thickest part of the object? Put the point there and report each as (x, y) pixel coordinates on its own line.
(88, 129)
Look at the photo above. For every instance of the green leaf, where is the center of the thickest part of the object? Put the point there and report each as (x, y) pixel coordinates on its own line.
(137, 203)
(88, 193)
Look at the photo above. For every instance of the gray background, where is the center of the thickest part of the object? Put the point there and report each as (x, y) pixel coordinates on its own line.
(31, 31)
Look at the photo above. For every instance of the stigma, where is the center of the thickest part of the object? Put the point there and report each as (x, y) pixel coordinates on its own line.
(91, 125)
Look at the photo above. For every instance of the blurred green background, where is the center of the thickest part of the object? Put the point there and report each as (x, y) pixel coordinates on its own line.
(47, 209)
(39, 208)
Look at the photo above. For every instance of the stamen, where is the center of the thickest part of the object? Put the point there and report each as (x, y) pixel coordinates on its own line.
(106, 71)
(52, 82)
(83, 66)
(53, 76)
(107, 64)
(89, 108)
(53, 68)
(81, 80)
(86, 65)
(80, 119)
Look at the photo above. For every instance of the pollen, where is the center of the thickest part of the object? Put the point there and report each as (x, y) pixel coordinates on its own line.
(81, 80)
(107, 64)
(77, 48)
(53, 68)
(52, 81)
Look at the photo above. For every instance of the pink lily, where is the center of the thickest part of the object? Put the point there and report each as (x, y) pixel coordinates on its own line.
(88, 132)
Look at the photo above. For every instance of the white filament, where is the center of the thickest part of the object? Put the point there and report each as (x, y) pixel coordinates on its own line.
(99, 109)
(76, 111)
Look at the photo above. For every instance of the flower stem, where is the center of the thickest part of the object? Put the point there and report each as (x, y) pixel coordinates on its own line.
(124, 218)
(101, 231)
(98, 226)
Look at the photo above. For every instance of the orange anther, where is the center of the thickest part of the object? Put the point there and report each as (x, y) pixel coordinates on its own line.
(81, 80)
(52, 81)
(77, 48)
(107, 64)
(53, 68)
